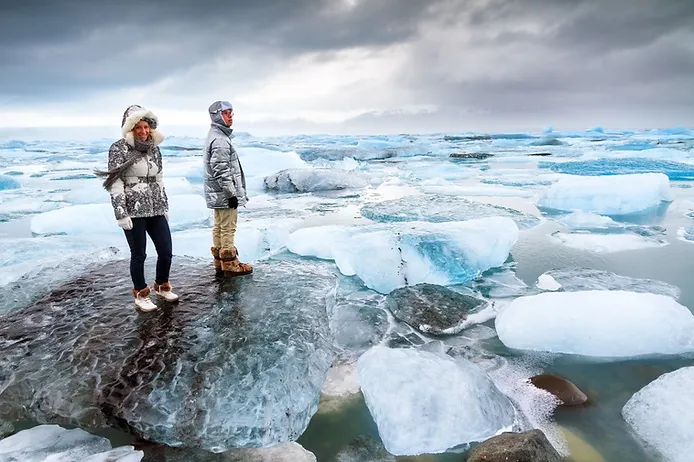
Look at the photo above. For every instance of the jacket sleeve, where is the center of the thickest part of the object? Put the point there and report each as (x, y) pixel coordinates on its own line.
(220, 165)
(116, 157)
(160, 180)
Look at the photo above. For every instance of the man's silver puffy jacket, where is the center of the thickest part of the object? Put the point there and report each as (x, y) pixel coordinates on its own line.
(223, 176)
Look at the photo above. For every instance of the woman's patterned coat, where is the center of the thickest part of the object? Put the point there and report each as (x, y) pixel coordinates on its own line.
(140, 191)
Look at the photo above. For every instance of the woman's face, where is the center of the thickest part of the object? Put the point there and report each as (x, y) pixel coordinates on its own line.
(141, 130)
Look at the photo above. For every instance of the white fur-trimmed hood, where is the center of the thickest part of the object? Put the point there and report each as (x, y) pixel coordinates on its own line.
(132, 116)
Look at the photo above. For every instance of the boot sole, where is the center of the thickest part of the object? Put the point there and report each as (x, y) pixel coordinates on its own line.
(232, 275)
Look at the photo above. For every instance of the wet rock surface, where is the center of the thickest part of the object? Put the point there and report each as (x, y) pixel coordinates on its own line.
(530, 446)
(236, 363)
(432, 309)
(568, 393)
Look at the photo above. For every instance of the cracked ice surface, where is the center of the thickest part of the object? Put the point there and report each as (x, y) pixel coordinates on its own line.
(237, 363)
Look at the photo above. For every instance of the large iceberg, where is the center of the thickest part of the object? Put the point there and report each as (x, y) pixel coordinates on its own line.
(597, 323)
(662, 415)
(439, 208)
(185, 211)
(395, 255)
(237, 363)
(312, 179)
(51, 443)
(426, 402)
(613, 195)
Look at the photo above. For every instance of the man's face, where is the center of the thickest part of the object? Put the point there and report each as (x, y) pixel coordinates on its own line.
(228, 116)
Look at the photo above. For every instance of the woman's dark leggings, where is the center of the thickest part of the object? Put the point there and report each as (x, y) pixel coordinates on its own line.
(158, 230)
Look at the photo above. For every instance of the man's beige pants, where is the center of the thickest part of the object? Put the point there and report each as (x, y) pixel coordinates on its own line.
(224, 228)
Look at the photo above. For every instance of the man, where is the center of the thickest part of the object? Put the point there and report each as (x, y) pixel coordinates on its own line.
(225, 189)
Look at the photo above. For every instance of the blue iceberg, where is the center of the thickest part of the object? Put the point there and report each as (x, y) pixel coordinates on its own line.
(623, 166)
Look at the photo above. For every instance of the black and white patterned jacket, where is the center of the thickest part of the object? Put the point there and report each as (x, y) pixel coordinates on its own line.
(140, 190)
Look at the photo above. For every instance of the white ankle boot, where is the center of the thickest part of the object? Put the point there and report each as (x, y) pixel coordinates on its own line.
(142, 300)
(164, 292)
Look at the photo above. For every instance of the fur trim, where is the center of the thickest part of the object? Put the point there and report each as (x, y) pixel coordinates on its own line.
(165, 286)
(132, 119)
(142, 293)
(227, 254)
(215, 252)
(157, 137)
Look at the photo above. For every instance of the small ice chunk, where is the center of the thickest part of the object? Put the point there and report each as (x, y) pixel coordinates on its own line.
(607, 195)
(586, 220)
(607, 243)
(582, 279)
(597, 323)
(547, 282)
(662, 415)
(56, 444)
(312, 179)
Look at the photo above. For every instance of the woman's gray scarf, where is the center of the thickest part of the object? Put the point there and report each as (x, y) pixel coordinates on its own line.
(140, 150)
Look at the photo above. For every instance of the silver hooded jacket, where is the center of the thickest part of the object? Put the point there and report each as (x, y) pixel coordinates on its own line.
(223, 176)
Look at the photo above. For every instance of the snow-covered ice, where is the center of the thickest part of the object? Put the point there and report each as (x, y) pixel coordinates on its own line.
(416, 414)
(607, 195)
(597, 323)
(662, 415)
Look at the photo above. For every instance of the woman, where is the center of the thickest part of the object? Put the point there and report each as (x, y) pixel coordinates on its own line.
(134, 180)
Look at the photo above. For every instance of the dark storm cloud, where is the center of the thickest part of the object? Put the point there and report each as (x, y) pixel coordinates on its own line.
(573, 59)
(68, 47)
(508, 57)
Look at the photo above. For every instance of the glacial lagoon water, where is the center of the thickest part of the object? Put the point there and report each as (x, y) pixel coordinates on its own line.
(384, 201)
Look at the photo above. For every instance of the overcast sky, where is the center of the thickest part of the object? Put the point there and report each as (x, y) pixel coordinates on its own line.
(351, 65)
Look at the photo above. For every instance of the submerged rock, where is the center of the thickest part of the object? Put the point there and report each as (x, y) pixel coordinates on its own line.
(530, 446)
(471, 155)
(432, 309)
(568, 393)
(362, 449)
(236, 363)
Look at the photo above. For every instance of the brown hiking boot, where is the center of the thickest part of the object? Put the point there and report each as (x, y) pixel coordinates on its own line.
(217, 260)
(231, 264)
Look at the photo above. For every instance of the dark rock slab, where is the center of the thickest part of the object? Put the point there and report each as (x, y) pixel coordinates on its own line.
(432, 309)
(530, 446)
(471, 155)
(568, 393)
(236, 363)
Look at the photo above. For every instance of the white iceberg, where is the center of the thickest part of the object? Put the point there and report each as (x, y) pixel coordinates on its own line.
(662, 415)
(597, 323)
(185, 211)
(55, 444)
(607, 195)
(426, 402)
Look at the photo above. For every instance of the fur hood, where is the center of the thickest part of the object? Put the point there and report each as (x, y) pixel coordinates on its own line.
(135, 113)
